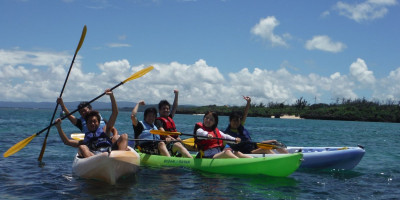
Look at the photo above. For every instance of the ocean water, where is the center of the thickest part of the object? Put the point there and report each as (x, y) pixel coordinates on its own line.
(376, 177)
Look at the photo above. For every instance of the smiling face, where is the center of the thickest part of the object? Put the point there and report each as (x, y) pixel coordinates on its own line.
(209, 120)
(150, 118)
(92, 123)
(84, 111)
(164, 111)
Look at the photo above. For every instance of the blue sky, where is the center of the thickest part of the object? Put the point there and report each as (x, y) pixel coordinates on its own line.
(213, 52)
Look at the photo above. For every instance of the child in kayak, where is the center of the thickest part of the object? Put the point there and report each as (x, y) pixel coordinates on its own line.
(165, 122)
(152, 143)
(80, 123)
(236, 129)
(97, 139)
(213, 148)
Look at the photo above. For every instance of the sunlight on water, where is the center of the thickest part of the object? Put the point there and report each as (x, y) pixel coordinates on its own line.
(376, 176)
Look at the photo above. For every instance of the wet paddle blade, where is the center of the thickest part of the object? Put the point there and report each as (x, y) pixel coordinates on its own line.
(139, 74)
(18, 146)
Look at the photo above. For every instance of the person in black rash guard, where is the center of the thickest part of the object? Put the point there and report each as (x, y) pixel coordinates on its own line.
(236, 129)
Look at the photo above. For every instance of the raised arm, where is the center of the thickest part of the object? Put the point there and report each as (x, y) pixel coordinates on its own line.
(64, 138)
(114, 112)
(246, 110)
(134, 112)
(175, 104)
(65, 109)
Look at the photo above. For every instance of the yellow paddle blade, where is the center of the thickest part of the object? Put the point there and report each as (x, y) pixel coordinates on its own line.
(82, 39)
(160, 132)
(78, 136)
(18, 146)
(189, 142)
(139, 74)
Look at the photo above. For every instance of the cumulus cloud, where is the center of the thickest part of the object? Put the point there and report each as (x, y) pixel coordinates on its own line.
(198, 83)
(365, 11)
(324, 43)
(360, 72)
(265, 30)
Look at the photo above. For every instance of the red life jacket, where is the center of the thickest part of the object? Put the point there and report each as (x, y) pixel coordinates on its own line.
(168, 125)
(204, 144)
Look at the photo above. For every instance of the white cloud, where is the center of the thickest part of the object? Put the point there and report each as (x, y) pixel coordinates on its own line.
(324, 43)
(118, 45)
(265, 30)
(360, 72)
(198, 83)
(365, 11)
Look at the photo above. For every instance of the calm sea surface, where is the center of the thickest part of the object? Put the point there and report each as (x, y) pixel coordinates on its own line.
(376, 177)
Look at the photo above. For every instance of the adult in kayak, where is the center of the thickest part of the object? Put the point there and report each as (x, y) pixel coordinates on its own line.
(165, 122)
(152, 143)
(213, 148)
(80, 122)
(97, 139)
(236, 129)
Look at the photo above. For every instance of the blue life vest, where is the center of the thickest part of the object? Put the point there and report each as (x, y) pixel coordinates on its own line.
(84, 127)
(244, 146)
(146, 135)
(97, 140)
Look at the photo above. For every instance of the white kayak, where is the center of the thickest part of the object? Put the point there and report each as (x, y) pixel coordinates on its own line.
(338, 158)
(106, 167)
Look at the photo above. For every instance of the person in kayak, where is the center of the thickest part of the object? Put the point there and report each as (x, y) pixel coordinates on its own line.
(80, 123)
(152, 143)
(97, 139)
(236, 129)
(213, 148)
(165, 122)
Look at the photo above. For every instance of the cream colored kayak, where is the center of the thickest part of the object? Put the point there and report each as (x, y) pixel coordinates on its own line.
(107, 168)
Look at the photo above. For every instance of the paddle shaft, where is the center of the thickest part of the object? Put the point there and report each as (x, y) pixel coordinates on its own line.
(52, 124)
(61, 93)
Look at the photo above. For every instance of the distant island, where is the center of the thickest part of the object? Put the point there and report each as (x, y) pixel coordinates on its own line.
(343, 109)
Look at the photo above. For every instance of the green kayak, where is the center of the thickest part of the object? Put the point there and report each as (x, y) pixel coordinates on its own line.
(280, 165)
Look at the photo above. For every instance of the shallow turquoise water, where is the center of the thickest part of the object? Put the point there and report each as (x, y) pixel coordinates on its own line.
(376, 177)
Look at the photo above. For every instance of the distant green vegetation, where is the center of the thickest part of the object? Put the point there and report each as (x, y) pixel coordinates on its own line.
(343, 109)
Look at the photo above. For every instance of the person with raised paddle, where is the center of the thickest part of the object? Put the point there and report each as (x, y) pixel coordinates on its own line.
(214, 147)
(97, 139)
(21, 144)
(236, 129)
(165, 122)
(142, 131)
(84, 108)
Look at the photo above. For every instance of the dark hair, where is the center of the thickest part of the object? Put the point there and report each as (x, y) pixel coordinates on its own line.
(150, 110)
(84, 104)
(163, 103)
(91, 114)
(215, 115)
(235, 115)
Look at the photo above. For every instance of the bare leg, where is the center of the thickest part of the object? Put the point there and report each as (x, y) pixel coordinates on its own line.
(180, 148)
(163, 149)
(262, 151)
(84, 151)
(225, 154)
(122, 142)
(241, 155)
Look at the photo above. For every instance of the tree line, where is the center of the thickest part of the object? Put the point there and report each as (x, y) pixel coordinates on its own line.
(341, 109)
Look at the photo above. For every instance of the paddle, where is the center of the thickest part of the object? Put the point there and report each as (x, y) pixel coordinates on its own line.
(259, 145)
(62, 90)
(81, 136)
(23, 143)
